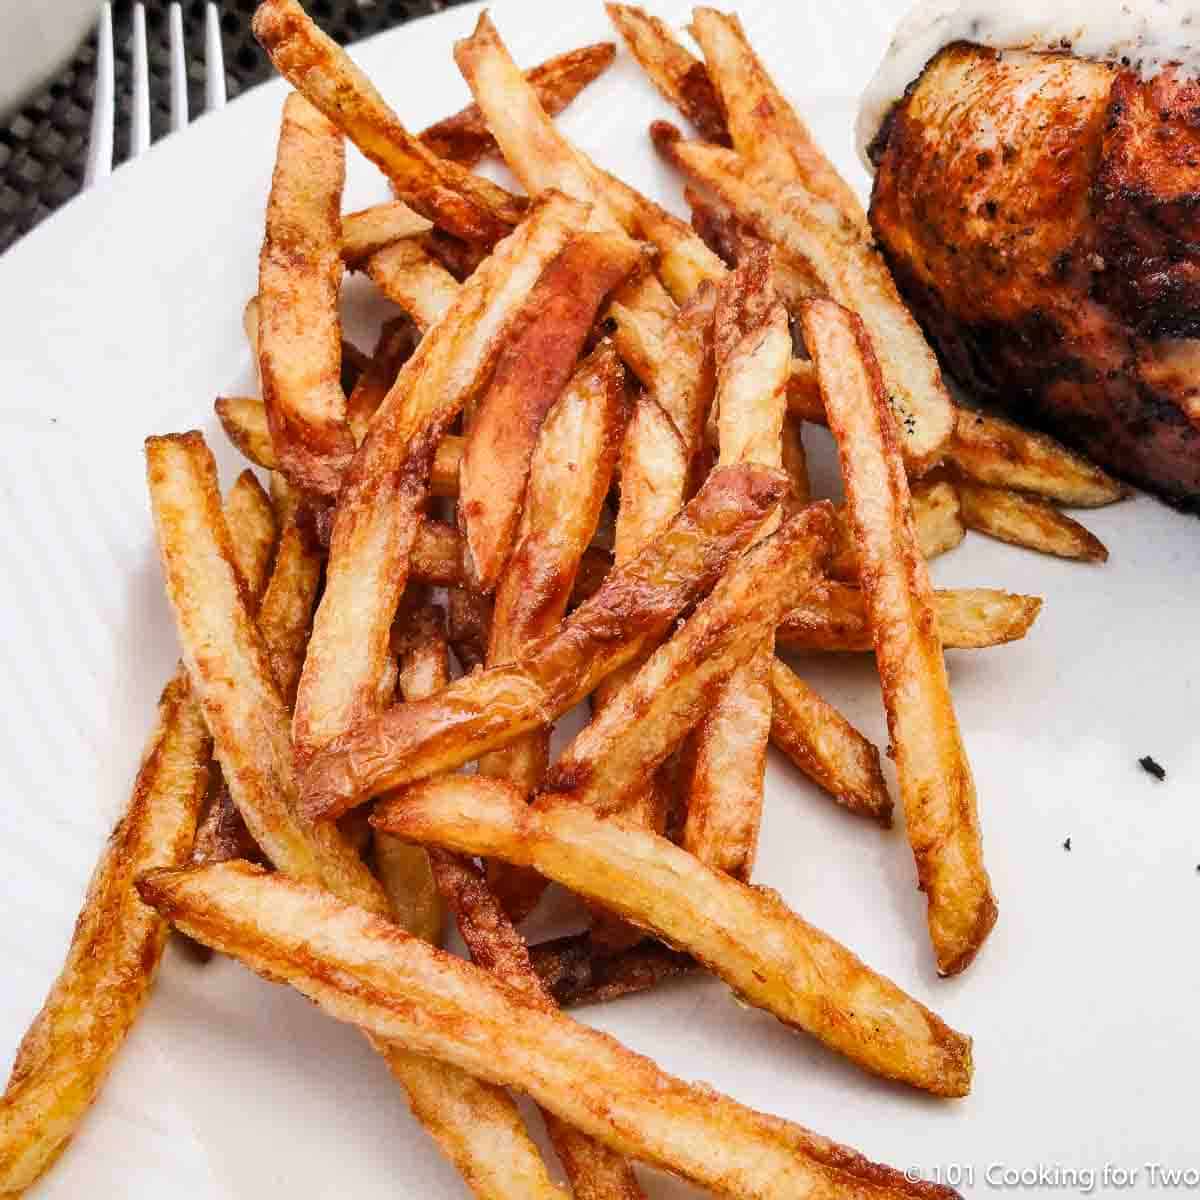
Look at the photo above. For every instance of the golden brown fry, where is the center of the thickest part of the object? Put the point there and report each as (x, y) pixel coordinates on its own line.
(569, 477)
(465, 138)
(299, 330)
(1026, 521)
(367, 971)
(395, 346)
(833, 616)
(222, 834)
(490, 709)
(937, 518)
(763, 125)
(850, 270)
(230, 670)
(595, 1172)
(371, 229)
(469, 626)
(770, 956)
(285, 615)
(574, 974)
(115, 950)
(680, 77)
(753, 348)
(463, 204)
(380, 508)
(826, 747)
(253, 531)
(993, 450)
(244, 420)
(795, 460)
(616, 755)
(505, 424)
(936, 786)
(406, 274)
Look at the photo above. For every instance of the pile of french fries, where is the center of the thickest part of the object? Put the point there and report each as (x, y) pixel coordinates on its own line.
(572, 466)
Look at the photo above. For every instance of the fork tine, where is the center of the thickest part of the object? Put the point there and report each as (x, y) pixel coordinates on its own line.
(179, 96)
(139, 129)
(100, 139)
(214, 62)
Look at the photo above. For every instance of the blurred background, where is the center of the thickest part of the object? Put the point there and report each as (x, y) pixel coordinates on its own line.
(47, 77)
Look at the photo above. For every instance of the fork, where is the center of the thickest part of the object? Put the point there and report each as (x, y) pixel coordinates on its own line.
(99, 162)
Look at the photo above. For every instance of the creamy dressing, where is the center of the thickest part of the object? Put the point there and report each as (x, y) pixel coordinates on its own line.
(1145, 35)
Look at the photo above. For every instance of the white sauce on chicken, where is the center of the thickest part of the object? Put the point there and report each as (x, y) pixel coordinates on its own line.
(1145, 35)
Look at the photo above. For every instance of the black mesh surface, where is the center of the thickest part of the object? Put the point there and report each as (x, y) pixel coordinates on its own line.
(44, 143)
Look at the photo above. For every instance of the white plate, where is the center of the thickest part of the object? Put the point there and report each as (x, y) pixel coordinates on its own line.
(123, 317)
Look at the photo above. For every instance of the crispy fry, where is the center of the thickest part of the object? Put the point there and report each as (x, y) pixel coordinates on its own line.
(770, 957)
(395, 346)
(244, 420)
(833, 616)
(937, 518)
(469, 618)
(630, 737)
(465, 138)
(595, 1172)
(763, 125)
(115, 950)
(230, 671)
(992, 450)
(680, 77)
(569, 478)
(380, 506)
(299, 330)
(851, 271)
(753, 347)
(222, 834)
(463, 204)
(575, 975)
(1026, 521)
(826, 747)
(364, 970)
(936, 786)
(406, 274)
(253, 531)
(505, 425)
(490, 709)
(795, 460)
(371, 229)
(285, 616)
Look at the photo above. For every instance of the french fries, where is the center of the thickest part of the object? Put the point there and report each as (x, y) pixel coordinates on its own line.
(506, 421)
(299, 330)
(371, 229)
(850, 270)
(753, 348)
(747, 936)
(593, 1169)
(116, 947)
(463, 204)
(465, 138)
(569, 477)
(833, 616)
(253, 531)
(426, 999)
(406, 274)
(826, 747)
(937, 517)
(763, 126)
(244, 420)
(940, 809)
(630, 737)
(994, 451)
(575, 975)
(1026, 521)
(380, 507)
(680, 77)
(230, 670)
(490, 709)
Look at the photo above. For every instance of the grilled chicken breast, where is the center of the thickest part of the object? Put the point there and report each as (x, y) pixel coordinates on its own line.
(1041, 212)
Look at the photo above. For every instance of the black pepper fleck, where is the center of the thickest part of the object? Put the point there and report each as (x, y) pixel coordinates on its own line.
(1152, 768)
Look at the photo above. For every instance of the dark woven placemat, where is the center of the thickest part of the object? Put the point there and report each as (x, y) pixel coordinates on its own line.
(43, 145)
